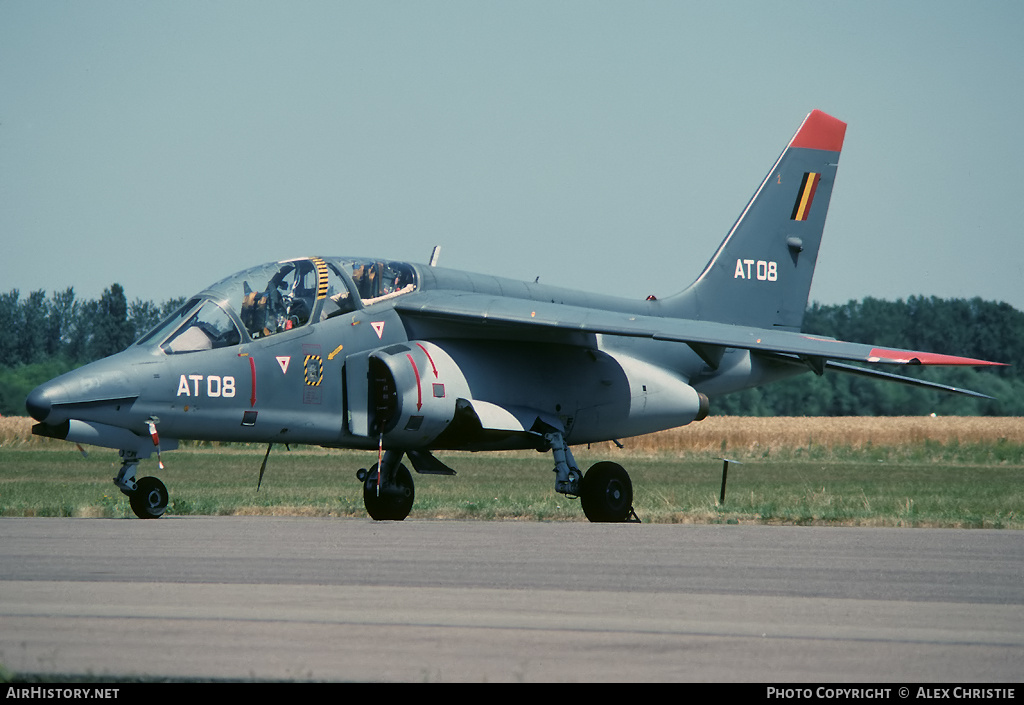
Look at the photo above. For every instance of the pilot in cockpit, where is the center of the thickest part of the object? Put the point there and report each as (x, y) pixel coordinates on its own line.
(298, 304)
(286, 303)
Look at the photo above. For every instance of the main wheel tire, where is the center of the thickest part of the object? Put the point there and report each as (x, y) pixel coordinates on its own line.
(395, 499)
(607, 493)
(149, 500)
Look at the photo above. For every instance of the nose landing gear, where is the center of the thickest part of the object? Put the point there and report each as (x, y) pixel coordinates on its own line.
(148, 496)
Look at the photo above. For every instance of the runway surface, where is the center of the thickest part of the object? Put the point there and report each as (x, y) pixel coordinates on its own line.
(357, 600)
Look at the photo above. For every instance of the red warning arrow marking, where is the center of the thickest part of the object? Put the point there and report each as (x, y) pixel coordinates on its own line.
(432, 365)
(252, 371)
(419, 391)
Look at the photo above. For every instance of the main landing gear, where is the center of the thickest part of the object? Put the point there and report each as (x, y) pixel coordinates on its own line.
(147, 496)
(388, 494)
(605, 492)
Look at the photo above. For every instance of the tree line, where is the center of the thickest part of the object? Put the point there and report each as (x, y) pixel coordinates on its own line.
(45, 336)
(974, 328)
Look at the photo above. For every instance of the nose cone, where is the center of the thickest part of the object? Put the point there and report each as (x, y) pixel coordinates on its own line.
(88, 393)
(39, 403)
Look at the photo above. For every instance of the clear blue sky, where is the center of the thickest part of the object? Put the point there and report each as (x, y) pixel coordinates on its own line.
(605, 146)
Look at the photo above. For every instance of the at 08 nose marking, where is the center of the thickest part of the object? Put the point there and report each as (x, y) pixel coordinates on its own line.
(215, 386)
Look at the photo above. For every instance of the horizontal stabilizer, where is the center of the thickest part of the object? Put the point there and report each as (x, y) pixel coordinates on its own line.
(888, 376)
(878, 374)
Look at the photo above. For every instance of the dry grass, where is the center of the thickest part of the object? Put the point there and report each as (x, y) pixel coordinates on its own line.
(16, 431)
(747, 435)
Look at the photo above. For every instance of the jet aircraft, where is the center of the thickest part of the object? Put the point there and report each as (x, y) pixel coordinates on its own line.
(406, 359)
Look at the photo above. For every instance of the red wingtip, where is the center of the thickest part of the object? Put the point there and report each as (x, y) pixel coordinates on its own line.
(923, 358)
(820, 131)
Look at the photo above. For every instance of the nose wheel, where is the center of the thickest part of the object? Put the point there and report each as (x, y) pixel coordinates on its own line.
(149, 499)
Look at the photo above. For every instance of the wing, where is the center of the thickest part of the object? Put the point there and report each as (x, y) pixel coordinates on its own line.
(518, 318)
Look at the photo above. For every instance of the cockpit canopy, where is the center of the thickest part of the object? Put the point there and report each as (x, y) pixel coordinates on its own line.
(278, 297)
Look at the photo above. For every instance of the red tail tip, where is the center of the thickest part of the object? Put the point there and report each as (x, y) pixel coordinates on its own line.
(820, 131)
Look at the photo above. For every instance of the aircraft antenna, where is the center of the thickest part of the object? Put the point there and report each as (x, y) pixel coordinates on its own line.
(263, 466)
(434, 255)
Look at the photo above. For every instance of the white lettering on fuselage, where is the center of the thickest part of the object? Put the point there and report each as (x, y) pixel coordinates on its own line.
(756, 269)
(215, 386)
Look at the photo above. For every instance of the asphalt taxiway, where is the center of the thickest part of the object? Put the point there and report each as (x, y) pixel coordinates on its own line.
(357, 600)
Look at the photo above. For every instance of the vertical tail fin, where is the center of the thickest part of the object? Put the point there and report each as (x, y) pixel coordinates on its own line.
(761, 273)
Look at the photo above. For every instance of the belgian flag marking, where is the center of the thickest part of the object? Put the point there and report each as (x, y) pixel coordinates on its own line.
(805, 196)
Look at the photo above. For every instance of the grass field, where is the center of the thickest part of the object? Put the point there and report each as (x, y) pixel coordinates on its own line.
(939, 472)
